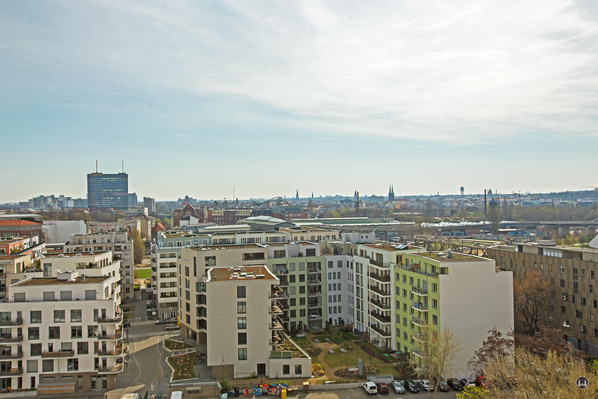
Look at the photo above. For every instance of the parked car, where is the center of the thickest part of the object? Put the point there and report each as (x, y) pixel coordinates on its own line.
(443, 386)
(480, 381)
(398, 386)
(172, 320)
(455, 384)
(425, 384)
(369, 388)
(466, 383)
(411, 386)
(162, 321)
(382, 387)
(172, 327)
(126, 324)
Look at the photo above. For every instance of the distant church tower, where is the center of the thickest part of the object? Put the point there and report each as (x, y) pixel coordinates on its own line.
(297, 195)
(391, 193)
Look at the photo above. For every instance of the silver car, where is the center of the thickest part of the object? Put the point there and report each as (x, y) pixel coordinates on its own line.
(398, 387)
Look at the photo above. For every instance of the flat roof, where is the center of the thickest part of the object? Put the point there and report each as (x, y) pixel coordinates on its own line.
(226, 273)
(389, 247)
(457, 257)
(56, 254)
(559, 247)
(55, 281)
(224, 246)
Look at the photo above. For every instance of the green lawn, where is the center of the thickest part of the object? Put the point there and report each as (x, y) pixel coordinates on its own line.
(142, 274)
(350, 359)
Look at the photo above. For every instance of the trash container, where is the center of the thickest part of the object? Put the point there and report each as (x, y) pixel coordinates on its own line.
(236, 392)
(283, 394)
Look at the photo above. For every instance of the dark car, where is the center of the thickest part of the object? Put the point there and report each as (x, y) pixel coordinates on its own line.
(455, 384)
(162, 321)
(126, 324)
(382, 387)
(411, 386)
(443, 386)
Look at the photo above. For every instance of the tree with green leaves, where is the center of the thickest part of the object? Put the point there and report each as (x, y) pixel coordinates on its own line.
(138, 246)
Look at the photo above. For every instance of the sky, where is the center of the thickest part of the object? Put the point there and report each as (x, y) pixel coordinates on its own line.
(270, 97)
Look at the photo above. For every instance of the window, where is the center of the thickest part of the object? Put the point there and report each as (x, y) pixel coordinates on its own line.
(72, 364)
(562, 283)
(47, 366)
(434, 303)
(82, 348)
(298, 369)
(76, 332)
(90, 295)
(241, 323)
(292, 302)
(564, 297)
(49, 296)
(242, 338)
(563, 310)
(35, 316)
(562, 269)
(301, 312)
(54, 332)
(76, 315)
(242, 307)
(33, 332)
(582, 301)
(578, 314)
(566, 323)
(32, 366)
(435, 319)
(291, 278)
(66, 295)
(293, 313)
(302, 289)
(36, 349)
(59, 316)
(242, 353)
(241, 291)
(302, 301)
(310, 252)
(286, 369)
(302, 278)
(434, 287)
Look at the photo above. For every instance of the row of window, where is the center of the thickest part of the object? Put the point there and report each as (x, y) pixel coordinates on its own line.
(54, 332)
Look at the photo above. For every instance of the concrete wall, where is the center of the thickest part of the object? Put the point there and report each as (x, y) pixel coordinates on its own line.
(59, 231)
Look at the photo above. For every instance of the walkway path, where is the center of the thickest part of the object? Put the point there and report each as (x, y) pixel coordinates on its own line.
(328, 371)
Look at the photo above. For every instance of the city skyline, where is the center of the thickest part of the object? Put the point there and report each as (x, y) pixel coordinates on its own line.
(323, 97)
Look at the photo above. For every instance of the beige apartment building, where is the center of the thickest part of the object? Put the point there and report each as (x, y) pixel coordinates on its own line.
(572, 274)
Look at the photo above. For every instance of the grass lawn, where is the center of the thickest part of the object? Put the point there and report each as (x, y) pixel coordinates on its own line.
(183, 366)
(308, 347)
(175, 345)
(142, 274)
(334, 338)
(351, 359)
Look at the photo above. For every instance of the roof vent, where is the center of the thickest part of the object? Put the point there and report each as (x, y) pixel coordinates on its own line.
(449, 253)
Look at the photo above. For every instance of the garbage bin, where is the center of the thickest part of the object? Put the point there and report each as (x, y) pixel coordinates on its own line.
(236, 392)
(283, 394)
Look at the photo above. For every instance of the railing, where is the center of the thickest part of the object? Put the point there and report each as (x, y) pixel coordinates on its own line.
(110, 320)
(385, 278)
(314, 269)
(15, 322)
(419, 306)
(315, 293)
(275, 310)
(15, 371)
(282, 272)
(419, 322)
(416, 270)
(6, 338)
(11, 356)
(376, 263)
(275, 326)
(380, 304)
(314, 281)
(278, 294)
(381, 318)
(59, 354)
(419, 291)
(116, 352)
(380, 331)
(116, 369)
(111, 337)
(379, 291)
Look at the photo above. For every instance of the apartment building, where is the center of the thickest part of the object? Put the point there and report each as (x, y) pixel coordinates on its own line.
(62, 330)
(300, 269)
(243, 327)
(298, 234)
(340, 290)
(463, 292)
(121, 246)
(572, 273)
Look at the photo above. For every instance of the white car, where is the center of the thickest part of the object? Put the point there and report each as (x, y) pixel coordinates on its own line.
(369, 388)
(425, 384)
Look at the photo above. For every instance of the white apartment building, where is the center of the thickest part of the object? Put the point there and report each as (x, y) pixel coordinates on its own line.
(62, 330)
(122, 249)
(339, 277)
(243, 326)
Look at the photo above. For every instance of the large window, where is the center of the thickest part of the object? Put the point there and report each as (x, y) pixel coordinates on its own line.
(66, 295)
(35, 316)
(242, 307)
(76, 332)
(32, 366)
(48, 366)
(59, 316)
(242, 353)
(241, 291)
(286, 369)
(72, 364)
(48, 296)
(242, 338)
(54, 332)
(36, 349)
(241, 323)
(33, 332)
(82, 348)
(76, 315)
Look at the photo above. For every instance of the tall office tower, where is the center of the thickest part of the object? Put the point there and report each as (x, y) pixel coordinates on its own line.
(150, 204)
(107, 190)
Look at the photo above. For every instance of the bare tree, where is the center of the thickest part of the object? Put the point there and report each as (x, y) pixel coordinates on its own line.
(533, 302)
(438, 354)
(497, 347)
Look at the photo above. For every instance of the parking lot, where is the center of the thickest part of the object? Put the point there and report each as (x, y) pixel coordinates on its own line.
(358, 393)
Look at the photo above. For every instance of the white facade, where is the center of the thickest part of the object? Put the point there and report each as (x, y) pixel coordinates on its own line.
(339, 277)
(60, 231)
(59, 330)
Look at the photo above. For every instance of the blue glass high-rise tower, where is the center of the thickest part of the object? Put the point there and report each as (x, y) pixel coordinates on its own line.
(107, 190)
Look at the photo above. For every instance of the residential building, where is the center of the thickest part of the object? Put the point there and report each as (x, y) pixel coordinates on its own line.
(20, 228)
(288, 212)
(227, 216)
(310, 234)
(59, 231)
(122, 249)
(150, 204)
(571, 273)
(18, 263)
(107, 191)
(61, 331)
(465, 293)
(265, 223)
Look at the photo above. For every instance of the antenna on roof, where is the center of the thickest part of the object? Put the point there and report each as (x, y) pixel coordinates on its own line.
(96, 166)
(123, 166)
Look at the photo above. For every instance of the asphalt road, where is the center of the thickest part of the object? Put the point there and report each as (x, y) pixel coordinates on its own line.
(358, 393)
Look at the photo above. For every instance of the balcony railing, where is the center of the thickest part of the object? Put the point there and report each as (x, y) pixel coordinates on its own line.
(420, 307)
(314, 269)
(277, 294)
(11, 356)
(380, 304)
(314, 281)
(8, 322)
(376, 263)
(59, 354)
(116, 369)
(116, 352)
(11, 372)
(275, 310)
(381, 318)
(380, 331)
(419, 322)
(379, 291)
(110, 320)
(8, 338)
(111, 337)
(419, 291)
(385, 278)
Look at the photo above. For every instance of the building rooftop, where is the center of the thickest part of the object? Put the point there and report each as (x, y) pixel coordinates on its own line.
(390, 247)
(57, 254)
(15, 256)
(457, 257)
(56, 281)
(18, 223)
(224, 247)
(240, 273)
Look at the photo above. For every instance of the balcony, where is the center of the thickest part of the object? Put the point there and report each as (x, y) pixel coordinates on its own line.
(314, 281)
(379, 291)
(9, 338)
(314, 304)
(116, 369)
(277, 294)
(419, 307)
(380, 331)
(284, 282)
(376, 263)
(116, 336)
(8, 322)
(417, 354)
(282, 272)
(419, 291)
(315, 316)
(116, 352)
(276, 325)
(384, 278)
(419, 338)
(314, 269)
(110, 320)
(380, 318)
(58, 355)
(11, 356)
(275, 310)
(380, 304)
(314, 293)
(7, 373)
(419, 322)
